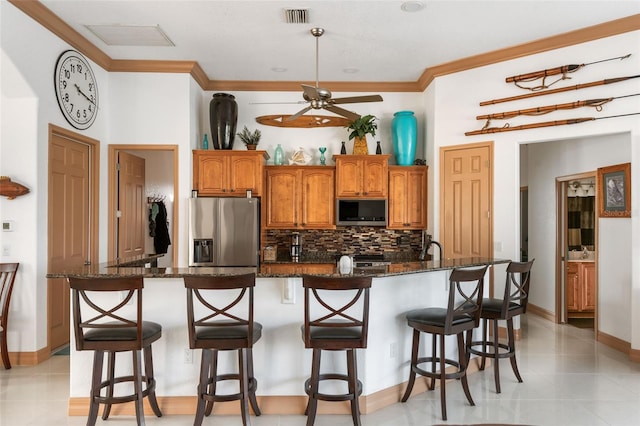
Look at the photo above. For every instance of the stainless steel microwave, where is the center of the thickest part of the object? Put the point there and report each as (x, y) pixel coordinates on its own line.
(354, 212)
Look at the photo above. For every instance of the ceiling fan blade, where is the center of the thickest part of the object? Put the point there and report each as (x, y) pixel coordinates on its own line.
(298, 114)
(356, 99)
(310, 92)
(343, 112)
(278, 103)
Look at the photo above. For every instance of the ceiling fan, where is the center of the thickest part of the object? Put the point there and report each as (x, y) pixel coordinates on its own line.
(320, 98)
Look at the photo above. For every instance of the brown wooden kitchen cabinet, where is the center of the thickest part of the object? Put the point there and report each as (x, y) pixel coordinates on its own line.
(581, 288)
(362, 176)
(300, 197)
(407, 197)
(228, 173)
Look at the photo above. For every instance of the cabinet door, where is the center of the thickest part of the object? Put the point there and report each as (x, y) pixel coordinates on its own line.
(407, 198)
(245, 173)
(572, 284)
(416, 198)
(212, 175)
(282, 192)
(318, 199)
(348, 177)
(588, 276)
(397, 214)
(375, 177)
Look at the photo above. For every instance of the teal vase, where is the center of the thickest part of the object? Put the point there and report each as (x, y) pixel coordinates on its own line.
(404, 135)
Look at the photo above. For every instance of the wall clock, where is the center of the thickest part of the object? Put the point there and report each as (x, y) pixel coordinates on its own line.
(76, 89)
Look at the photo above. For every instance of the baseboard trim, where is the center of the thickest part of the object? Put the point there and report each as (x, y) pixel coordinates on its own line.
(291, 405)
(541, 312)
(29, 358)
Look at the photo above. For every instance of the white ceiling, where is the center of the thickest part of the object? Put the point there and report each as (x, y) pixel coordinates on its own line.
(246, 40)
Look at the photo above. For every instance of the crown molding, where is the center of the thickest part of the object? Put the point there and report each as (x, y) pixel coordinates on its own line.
(45, 17)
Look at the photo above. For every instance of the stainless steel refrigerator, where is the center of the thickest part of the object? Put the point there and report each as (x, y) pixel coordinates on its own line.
(224, 231)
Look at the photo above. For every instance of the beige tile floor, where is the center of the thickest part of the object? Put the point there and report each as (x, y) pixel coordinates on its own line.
(568, 380)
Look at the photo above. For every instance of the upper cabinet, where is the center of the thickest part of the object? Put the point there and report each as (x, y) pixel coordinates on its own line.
(407, 197)
(300, 197)
(228, 173)
(362, 176)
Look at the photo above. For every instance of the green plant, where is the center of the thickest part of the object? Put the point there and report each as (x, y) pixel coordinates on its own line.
(362, 126)
(248, 137)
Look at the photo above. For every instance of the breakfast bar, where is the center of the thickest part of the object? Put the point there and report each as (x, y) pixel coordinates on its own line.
(281, 362)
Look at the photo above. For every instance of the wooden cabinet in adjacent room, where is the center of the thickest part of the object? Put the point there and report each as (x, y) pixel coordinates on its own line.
(228, 173)
(580, 289)
(407, 197)
(362, 176)
(299, 197)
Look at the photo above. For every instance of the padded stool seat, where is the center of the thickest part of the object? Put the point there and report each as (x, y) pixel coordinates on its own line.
(106, 325)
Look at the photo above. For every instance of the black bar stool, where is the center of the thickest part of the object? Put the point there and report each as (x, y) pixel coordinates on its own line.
(461, 314)
(335, 326)
(7, 278)
(107, 324)
(224, 322)
(512, 304)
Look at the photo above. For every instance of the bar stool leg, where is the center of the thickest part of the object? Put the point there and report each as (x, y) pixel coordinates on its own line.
(111, 363)
(151, 381)
(96, 380)
(496, 355)
(414, 362)
(137, 380)
(205, 366)
(212, 378)
(484, 343)
(312, 405)
(512, 349)
(244, 386)
(462, 357)
(352, 373)
(443, 380)
(252, 382)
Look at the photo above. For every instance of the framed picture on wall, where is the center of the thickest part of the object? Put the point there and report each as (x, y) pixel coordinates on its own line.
(614, 190)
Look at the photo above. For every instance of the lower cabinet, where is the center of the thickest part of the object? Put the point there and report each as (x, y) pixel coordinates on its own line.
(300, 197)
(581, 286)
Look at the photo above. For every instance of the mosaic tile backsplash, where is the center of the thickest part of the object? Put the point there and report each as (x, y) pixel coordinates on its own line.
(326, 245)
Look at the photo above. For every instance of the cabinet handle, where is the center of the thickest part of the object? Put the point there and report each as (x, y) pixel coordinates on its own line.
(224, 190)
(232, 190)
(365, 193)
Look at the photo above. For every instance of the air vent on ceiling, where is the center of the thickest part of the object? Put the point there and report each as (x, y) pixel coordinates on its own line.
(296, 16)
(130, 35)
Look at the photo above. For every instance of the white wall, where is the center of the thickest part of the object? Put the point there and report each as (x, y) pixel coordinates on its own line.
(455, 105)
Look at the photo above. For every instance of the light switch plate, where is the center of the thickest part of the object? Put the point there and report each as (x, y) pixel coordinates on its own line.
(7, 226)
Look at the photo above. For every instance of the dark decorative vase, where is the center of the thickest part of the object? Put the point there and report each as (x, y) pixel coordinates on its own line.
(404, 130)
(223, 117)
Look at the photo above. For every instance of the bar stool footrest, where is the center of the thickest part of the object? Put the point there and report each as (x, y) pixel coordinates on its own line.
(150, 387)
(253, 385)
(510, 352)
(333, 397)
(436, 374)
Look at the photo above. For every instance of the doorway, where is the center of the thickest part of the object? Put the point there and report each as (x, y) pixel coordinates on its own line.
(72, 230)
(576, 259)
(161, 184)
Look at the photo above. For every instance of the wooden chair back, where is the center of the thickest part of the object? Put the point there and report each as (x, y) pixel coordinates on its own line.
(466, 288)
(104, 321)
(7, 278)
(339, 306)
(516, 288)
(207, 309)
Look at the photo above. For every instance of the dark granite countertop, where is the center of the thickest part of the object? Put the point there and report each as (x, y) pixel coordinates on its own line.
(273, 270)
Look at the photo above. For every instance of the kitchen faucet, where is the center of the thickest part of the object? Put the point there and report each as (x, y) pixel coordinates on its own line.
(426, 243)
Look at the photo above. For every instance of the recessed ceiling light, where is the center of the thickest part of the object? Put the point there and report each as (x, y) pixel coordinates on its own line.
(130, 35)
(350, 70)
(412, 6)
(278, 69)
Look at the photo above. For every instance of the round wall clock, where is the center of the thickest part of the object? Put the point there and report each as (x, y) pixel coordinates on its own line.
(76, 89)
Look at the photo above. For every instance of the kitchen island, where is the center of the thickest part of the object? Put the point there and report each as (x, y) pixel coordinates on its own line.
(281, 362)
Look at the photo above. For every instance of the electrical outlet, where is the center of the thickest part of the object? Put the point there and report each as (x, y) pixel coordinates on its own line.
(393, 350)
(188, 356)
